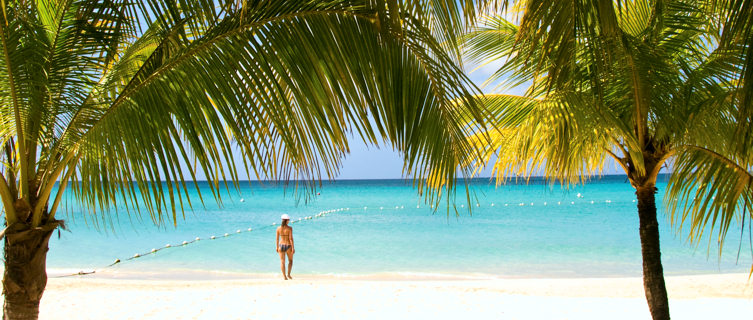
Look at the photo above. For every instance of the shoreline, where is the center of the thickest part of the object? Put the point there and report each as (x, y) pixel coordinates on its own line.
(209, 275)
(729, 285)
(317, 297)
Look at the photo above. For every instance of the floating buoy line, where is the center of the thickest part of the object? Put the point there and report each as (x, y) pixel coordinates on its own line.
(321, 214)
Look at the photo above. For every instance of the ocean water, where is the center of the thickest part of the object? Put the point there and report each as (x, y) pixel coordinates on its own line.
(384, 227)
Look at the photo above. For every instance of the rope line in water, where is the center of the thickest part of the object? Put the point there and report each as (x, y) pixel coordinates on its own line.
(321, 214)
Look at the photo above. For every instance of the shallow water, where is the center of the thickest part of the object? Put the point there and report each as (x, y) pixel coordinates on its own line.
(385, 227)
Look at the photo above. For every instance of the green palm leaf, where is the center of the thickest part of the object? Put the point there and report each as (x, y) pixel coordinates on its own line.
(711, 191)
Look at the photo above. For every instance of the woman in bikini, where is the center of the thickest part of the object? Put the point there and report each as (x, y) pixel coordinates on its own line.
(284, 245)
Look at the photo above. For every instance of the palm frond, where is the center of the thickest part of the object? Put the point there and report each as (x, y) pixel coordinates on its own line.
(708, 191)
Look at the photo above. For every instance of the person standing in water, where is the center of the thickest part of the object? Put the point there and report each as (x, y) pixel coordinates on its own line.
(285, 246)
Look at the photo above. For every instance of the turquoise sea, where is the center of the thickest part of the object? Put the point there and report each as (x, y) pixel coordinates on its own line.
(384, 227)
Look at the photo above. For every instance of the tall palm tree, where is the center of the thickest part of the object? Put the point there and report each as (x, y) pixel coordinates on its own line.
(125, 102)
(649, 84)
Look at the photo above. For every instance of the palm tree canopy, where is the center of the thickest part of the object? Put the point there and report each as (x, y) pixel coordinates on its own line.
(643, 82)
(119, 96)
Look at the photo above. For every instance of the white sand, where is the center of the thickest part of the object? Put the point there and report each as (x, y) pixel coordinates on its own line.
(723, 296)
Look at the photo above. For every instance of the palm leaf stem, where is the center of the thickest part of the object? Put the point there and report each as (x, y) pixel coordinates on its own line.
(394, 16)
(65, 7)
(621, 161)
(727, 161)
(10, 211)
(46, 189)
(61, 188)
(641, 110)
(742, 230)
(23, 184)
(660, 163)
(624, 150)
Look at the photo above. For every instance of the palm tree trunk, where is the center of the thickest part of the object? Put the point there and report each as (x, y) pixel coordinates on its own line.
(25, 269)
(653, 273)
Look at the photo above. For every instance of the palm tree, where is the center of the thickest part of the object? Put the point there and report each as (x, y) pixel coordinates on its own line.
(125, 102)
(649, 84)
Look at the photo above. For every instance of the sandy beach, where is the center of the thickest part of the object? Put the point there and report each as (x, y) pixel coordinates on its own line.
(720, 296)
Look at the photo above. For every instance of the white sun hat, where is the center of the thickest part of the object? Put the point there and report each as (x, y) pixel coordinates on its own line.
(285, 216)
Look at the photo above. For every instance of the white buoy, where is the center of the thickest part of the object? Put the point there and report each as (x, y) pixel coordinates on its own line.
(154, 250)
(418, 207)
(136, 255)
(402, 207)
(249, 229)
(505, 204)
(531, 203)
(243, 200)
(185, 243)
(572, 202)
(381, 208)
(492, 204)
(521, 204)
(579, 195)
(212, 237)
(168, 245)
(364, 208)
(478, 205)
(227, 234)
(544, 202)
(633, 200)
(238, 231)
(197, 239)
(592, 201)
(559, 202)
(462, 206)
